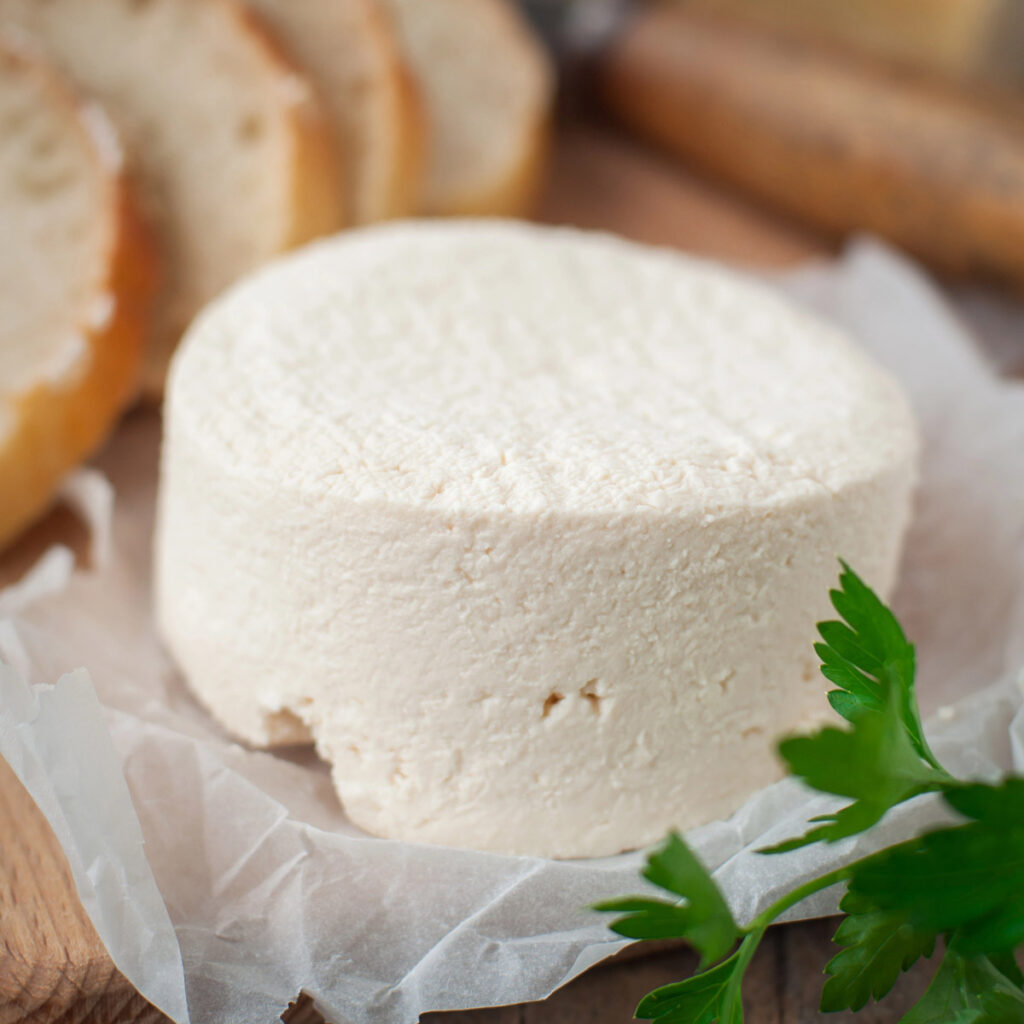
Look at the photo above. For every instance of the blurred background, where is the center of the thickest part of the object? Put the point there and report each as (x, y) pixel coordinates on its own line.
(156, 150)
(902, 118)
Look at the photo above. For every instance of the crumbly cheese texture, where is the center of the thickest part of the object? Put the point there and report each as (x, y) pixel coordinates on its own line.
(528, 528)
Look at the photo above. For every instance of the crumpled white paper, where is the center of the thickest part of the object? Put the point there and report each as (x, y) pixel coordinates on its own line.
(270, 890)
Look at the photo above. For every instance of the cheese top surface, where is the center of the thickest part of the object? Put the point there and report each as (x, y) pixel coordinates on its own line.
(464, 366)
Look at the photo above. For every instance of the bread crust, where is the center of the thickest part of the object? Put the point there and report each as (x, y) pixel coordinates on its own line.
(317, 168)
(58, 424)
(381, 133)
(515, 193)
(401, 196)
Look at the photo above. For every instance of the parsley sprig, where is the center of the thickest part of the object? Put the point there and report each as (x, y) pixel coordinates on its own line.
(962, 885)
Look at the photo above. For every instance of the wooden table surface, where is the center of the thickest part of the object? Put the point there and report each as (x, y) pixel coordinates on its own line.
(53, 967)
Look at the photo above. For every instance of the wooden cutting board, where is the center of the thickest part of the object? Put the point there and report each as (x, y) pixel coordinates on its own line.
(53, 967)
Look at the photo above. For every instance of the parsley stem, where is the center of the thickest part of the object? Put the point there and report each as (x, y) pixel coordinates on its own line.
(731, 1009)
(748, 947)
(932, 760)
(757, 928)
(801, 892)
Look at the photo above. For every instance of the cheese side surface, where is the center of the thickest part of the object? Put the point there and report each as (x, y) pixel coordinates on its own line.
(527, 528)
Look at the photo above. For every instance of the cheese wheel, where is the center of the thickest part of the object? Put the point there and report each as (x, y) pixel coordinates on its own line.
(528, 528)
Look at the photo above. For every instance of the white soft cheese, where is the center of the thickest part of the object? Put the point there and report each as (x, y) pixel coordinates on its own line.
(528, 528)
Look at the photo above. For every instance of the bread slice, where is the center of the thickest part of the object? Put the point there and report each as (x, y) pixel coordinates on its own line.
(350, 50)
(227, 140)
(488, 86)
(77, 276)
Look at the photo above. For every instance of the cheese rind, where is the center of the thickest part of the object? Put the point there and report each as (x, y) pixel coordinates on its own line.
(528, 528)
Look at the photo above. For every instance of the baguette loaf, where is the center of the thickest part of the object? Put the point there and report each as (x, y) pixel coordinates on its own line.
(77, 276)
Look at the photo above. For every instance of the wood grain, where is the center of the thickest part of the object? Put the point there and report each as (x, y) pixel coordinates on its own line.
(53, 967)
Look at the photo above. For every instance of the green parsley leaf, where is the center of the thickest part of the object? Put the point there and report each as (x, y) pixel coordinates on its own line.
(875, 761)
(703, 919)
(968, 990)
(884, 759)
(879, 945)
(709, 998)
(965, 882)
(866, 655)
(969, 878)
(999, 805)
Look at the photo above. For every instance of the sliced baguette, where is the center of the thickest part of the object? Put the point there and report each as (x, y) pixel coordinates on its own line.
(77, 279)
(349, 49)
(227, 140)
(488, 87)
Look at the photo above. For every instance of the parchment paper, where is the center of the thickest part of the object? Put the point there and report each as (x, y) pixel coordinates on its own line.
(251, 885)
